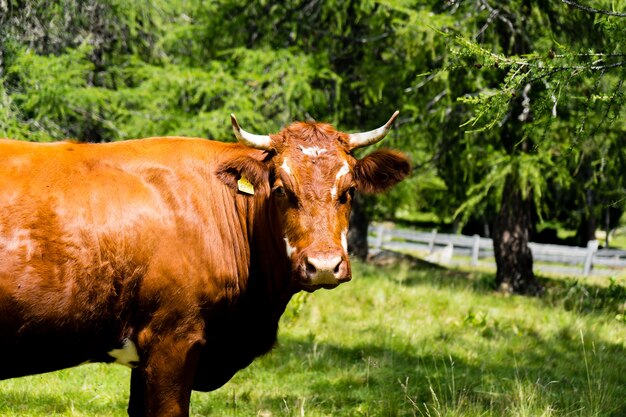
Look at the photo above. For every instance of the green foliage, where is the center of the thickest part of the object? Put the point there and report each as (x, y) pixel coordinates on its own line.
(9, 123)
(103, 71)
(581, 297)
(53, 95)
(111, 70)
(567, 94)
(111, 27)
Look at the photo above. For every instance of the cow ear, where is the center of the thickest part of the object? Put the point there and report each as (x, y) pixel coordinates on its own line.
(255, 172)
(381, 170)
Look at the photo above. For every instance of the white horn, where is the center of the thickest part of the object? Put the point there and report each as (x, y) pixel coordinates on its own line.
(250, 139)
(358, 140)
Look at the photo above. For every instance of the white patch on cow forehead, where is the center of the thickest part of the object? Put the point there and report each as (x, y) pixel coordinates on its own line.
(313, 151)
(285, 166)
(345, 168)
(127, 355)
(290, 249)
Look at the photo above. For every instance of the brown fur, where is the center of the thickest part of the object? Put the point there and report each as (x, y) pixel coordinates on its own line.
(150, 241)
(381, 170)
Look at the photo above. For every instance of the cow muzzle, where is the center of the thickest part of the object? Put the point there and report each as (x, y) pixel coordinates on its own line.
(325, 270)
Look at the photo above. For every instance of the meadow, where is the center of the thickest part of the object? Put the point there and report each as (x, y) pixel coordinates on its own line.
(403, 339)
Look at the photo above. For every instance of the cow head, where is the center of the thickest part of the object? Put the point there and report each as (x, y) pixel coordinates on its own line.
(312, 176)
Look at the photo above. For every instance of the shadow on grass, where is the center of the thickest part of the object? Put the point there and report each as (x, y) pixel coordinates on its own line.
(572, 294)
(502, 366)
(573, 373)
(416, 271)
(577, 295)
(327, 379)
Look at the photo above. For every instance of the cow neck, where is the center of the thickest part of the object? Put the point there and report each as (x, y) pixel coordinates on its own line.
(270, 269)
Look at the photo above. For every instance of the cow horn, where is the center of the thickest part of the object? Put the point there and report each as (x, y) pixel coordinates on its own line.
(358, 140)
(250, 139)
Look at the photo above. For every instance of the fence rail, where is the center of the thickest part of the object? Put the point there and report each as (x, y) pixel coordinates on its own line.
(441, 248)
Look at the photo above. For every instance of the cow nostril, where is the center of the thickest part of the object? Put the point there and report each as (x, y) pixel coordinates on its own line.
(327, 266)
(310, 268)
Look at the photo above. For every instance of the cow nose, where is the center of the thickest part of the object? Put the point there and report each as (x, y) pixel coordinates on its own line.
(315, 265)
(326, 270)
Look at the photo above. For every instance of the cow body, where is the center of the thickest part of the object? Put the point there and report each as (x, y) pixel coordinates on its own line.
(98, 239)
(147, 253)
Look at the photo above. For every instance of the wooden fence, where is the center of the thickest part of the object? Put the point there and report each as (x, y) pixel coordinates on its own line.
(442, 248)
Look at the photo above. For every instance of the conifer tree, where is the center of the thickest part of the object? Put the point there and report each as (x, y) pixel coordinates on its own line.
(546, 105)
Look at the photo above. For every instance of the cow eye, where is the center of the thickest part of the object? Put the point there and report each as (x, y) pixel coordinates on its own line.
(348, 195)
(280, 191)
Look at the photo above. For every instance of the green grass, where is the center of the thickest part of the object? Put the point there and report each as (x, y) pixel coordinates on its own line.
(617, 239)
(400, 341)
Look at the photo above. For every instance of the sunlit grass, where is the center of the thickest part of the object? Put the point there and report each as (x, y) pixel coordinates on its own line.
(400, 341)
(88, 390)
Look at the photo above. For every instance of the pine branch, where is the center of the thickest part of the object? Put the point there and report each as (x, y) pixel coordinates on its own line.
(613, 104)
(593, 10)
(493, 14)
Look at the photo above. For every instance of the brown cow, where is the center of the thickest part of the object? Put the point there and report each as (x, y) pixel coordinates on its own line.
(174, 256)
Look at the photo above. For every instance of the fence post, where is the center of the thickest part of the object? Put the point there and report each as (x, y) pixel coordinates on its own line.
(431, 242)
(380, 234)
(475, 249)
(592, 248)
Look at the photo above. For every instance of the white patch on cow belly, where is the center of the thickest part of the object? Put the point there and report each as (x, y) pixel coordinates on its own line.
(290, 249)
(127, 355)
(313, 151)
(344, 240)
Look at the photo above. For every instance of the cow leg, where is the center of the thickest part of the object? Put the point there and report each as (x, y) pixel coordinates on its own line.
(137, 401)
(161, 386)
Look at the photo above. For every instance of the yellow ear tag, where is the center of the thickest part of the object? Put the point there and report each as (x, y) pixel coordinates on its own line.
(245, 186)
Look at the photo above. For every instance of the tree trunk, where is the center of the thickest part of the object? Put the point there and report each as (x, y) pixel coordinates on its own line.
(357, 234)
(514, 259)
(588, 225)
(607, 226)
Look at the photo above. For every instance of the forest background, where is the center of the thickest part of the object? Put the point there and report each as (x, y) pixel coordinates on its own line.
(512, 111)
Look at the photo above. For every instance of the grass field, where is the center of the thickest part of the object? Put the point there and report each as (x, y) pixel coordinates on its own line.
(400, 340)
